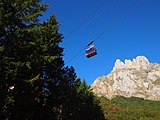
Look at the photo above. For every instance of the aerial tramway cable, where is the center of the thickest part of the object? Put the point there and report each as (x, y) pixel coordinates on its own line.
(129, 10)
(118, 19)
(93, 14)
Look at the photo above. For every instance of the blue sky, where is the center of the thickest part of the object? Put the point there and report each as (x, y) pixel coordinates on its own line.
(137, 33)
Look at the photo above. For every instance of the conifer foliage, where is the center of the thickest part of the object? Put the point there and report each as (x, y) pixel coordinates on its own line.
(34, 84)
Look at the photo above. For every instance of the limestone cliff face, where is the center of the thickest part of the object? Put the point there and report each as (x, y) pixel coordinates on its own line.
(138, 78)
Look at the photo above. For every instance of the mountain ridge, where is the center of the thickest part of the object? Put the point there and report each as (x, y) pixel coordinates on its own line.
(131, 78)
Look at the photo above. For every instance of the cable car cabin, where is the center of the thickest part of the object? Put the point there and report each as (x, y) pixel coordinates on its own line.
(91, 51)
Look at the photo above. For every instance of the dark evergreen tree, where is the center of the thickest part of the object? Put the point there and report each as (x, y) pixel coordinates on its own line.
(34, 84)
(88, 104)
(28, 49)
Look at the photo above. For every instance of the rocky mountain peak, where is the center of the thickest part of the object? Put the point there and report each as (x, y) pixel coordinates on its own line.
(137, 77)
(138, 63)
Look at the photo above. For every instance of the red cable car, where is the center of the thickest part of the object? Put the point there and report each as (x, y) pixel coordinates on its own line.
(91, 51)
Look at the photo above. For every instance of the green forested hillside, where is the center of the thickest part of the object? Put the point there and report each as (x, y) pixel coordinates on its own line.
(121, 108)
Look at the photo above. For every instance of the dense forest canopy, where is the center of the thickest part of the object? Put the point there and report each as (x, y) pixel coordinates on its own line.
(34, 82)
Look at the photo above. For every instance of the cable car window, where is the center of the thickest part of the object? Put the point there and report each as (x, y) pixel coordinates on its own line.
(90, 50)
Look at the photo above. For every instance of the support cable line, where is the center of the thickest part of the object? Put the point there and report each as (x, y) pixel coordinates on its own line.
(93, 14)
(128, 11)
(76, 55)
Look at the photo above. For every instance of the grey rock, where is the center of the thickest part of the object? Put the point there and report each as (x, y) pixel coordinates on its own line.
(137, 77)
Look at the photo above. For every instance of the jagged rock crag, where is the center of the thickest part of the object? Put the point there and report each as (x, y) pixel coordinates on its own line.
(137, 78)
